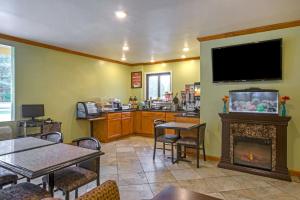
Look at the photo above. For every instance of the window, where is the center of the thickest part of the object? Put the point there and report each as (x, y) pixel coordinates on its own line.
(6, 83)
(158, 84)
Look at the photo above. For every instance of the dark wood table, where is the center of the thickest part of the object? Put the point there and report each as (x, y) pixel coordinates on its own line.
(177, 193)
(178, 127)
(22, 144)
(46, 160)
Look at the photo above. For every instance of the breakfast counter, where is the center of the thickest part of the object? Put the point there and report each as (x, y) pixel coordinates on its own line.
(117, 124)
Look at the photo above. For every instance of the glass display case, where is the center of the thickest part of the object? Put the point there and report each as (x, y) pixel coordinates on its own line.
(254, 100)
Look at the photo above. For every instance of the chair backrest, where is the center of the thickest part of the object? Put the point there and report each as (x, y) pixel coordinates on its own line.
(202, 128)
(158, 131)
(106, 191)
(56, 137)
(89, 143)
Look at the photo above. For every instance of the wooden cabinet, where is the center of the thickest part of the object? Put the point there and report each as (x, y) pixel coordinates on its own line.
(137, 122)
(148, 119)
(114, 128)
(127, 123)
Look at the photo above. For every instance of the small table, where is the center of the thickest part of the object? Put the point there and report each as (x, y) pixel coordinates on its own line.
(46, 160)
(179, 126)
(22, 144)
(176, 193)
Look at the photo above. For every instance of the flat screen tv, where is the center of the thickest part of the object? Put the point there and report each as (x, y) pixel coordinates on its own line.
(33, 110)
(248, 62)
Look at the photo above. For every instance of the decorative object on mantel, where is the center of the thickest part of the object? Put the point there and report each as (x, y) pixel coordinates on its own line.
(225, 100)
(283, 100)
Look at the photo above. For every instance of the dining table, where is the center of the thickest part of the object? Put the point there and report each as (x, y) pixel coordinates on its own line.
(178, 127)
(45, 160)
(177, 193)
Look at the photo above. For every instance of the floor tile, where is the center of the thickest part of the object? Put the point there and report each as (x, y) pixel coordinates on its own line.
(157, 187)
(132, 179)
(160, 176)
(135, 192)
(185, 174)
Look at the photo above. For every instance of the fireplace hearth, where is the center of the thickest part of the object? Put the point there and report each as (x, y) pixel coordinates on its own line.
(255, 143)
(252, 152)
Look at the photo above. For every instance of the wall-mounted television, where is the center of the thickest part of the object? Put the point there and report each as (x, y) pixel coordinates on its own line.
(33, 110)
(248, 62)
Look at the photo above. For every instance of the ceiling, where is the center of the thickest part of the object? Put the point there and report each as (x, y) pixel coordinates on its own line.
(158, 28)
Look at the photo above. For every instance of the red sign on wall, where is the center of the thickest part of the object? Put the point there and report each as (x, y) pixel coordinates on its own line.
(136, 79)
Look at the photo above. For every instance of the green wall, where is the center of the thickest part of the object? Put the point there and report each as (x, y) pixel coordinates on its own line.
(211, 103)
(59, 80)
(185, 72)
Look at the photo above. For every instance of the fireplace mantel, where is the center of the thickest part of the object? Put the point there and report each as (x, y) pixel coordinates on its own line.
(279, 124)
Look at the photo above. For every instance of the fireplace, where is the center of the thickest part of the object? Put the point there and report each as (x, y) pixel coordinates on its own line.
(252, 152)
(255, 143)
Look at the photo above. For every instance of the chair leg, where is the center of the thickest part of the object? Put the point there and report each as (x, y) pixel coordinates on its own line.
(44, 185)
(154, 150)
(1, 187)
(76, 193)
(28, 180)
(98, 181)
(198, 157)
(164, 148)
(172, 153)
(204, 156)
(184, 151)
(178, 152)
(67, 195)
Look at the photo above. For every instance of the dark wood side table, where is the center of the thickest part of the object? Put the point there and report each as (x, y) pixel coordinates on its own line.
(177, 193)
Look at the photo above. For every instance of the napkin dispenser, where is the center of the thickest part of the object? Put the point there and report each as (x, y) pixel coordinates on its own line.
(87, 110)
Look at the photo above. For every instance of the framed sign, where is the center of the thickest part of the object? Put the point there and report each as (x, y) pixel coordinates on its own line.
(136, 79)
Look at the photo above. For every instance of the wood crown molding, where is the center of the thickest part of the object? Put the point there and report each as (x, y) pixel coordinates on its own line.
(56, 48)
(166, 61)
(250, 31)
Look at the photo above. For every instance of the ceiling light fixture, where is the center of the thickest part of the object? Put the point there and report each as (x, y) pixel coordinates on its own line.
(152, 60)
(125, 47)
(123, 57)
(185, 49)
(183, 56)
(120, 14)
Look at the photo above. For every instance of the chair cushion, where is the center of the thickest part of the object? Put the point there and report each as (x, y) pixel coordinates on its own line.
(71, 178)
(187, 141)
(106, 191)
(7, 177)
(168, 138)
(23, 191)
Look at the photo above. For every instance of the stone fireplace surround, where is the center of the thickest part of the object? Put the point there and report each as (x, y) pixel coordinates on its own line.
(267, 126)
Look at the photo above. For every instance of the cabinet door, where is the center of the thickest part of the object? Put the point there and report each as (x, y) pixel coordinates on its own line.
(147, 125)
(114, 128)
(127, 128)
(137, 122)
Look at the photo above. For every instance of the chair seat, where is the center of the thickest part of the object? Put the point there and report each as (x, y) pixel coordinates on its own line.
(23, 191)
(189, 141)
(7, 177)
(168, 138)
(71, 178)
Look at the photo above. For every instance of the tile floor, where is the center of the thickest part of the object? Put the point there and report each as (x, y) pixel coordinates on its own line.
(129, 162)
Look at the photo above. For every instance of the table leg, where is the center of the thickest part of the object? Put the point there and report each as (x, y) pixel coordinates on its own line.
(92, 128)
(51, 183)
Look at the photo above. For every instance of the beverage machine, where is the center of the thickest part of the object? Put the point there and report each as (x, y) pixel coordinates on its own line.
(190, 97)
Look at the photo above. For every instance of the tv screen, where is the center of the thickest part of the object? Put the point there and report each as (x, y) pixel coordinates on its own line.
(248, 62)
(34, 110)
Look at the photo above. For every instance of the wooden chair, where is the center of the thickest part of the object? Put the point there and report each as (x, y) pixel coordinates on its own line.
(71, 178)
(56, 137)
(193, 142)
(23, 191)
(160, 136)
(7, 177)
(106, 191)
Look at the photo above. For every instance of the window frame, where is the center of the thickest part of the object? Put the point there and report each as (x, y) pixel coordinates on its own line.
(159, 74)
(13, 84)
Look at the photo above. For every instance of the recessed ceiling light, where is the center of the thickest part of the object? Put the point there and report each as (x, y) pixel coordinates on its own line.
(120, 14)
(123, 57)
(152, 60)
(125, 47)
(183, 56)
(185, 49)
